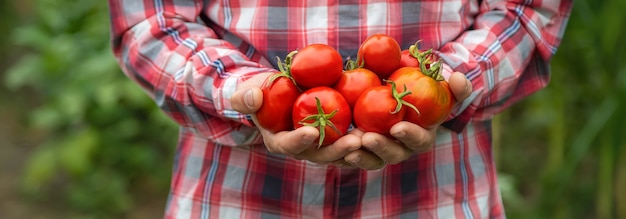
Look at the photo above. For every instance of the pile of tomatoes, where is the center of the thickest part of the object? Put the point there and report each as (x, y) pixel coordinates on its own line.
(385, 85)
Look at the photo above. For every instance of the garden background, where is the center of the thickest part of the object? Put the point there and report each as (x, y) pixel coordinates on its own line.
(79, 140)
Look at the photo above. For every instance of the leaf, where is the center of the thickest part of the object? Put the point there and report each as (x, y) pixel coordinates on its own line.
(509, 190)
(604, 177)
(135, 95)
(50, 15)
(107, 95)
(61, 56)
(128, 128)
(579, 148)
(620, 181)
(40, 169)
(46, 117)
(72, 102)
(612, 25)
(25, 72)
(76, 151)
(31, 36)
(101, 192)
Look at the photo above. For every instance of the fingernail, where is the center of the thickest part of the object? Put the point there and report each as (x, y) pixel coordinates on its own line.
(307, 139)
(399, 134)
(373, 144)
(248, 98)
(355, 160)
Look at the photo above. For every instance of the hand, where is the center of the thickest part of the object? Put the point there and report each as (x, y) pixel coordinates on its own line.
(298, 143)
(410, 138)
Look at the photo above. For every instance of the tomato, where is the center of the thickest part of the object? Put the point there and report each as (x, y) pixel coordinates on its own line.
(430, 94)
(325, 109)
(354, 81)
(379, 108)
(315, 65)
(379, 53)
(410, 57)
(279, 94)
(408, 60)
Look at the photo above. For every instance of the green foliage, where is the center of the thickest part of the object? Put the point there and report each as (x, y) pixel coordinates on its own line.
(106, 138)
(576, 124)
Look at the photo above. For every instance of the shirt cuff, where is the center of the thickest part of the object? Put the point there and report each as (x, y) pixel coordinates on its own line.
(223, 96)
(459, 115)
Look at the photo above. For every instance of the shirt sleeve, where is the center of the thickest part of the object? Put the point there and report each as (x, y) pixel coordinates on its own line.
(181, 63)
(505, 55)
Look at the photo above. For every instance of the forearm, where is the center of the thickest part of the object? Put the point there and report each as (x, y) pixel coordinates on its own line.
(506, 55)
(181, 64)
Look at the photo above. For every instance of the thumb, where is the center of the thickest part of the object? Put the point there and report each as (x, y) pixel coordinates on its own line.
(460, 86)
(247, 101)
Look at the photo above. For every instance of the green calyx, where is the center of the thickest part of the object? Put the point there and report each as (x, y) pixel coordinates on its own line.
(351, 64)
(428, 65)
(398, 97)
(413, 49)
(284, 68)
(321, 121)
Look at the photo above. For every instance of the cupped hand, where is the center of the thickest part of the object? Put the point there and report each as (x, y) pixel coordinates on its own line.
(299, 143)
(409, 138)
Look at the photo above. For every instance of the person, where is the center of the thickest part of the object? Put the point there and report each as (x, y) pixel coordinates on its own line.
(203, 63)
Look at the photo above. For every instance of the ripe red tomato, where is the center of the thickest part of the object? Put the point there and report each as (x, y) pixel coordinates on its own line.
(408, 60)
(379, 108)
(354, 81)
(380, 53)
(410, 57)
(315, 65)
(431, 96)
(279, 94)
(325, 109)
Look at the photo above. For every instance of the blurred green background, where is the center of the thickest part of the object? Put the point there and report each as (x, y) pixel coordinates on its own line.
(79, 140)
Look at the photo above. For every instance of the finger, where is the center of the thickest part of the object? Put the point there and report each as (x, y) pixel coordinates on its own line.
(413, 136)
(386, 148)
(356, 132)
(460, 86)
(248, 97)
(328, 154)
(290, 143)
(247, 101)
(341, 163)
(365, 160)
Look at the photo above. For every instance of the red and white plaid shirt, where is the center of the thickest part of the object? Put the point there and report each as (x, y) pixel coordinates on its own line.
(190, 56)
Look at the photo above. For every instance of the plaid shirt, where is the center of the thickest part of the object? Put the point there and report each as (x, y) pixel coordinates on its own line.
(190, 56)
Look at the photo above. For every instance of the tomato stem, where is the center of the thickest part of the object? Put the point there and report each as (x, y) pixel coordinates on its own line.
(414, 49)
(427, 64)
(399, 96)
(321, 121)
(284, 68)
(351, 65)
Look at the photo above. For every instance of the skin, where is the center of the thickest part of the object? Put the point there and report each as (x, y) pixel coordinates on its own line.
(369, 151)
